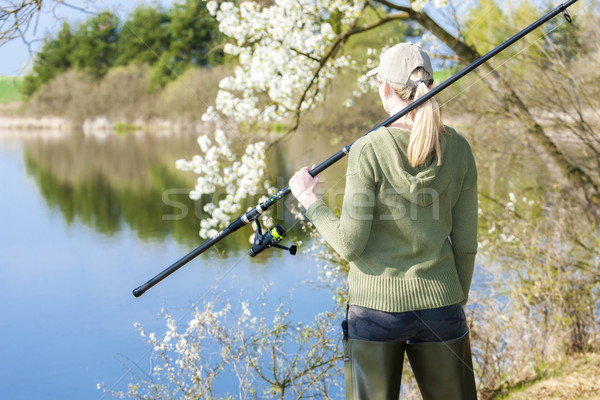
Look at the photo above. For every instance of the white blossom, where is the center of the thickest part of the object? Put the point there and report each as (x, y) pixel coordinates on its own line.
(279, 49)
(285, 60)
(219, 169)
(212, 7)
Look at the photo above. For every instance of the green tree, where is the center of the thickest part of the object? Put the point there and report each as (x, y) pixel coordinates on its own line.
(53, 59)
(193, 34)
(485, 26)
(144, 36)
(488, 25)
(94, 44)
(90, 47)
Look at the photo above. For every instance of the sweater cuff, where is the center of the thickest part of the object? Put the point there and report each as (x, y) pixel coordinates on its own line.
(312, 210)
(465, 263)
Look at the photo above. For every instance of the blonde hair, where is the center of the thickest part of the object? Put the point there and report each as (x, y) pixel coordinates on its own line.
(427, 119)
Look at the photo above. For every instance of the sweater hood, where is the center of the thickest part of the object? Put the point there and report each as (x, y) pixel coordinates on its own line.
(424, 184)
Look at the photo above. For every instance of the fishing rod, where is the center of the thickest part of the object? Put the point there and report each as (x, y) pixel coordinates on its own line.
(273, 236)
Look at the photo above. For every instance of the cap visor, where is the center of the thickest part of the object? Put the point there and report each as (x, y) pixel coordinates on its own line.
(373, 71)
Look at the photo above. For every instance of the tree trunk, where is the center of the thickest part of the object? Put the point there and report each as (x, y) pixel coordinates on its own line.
(513, 105)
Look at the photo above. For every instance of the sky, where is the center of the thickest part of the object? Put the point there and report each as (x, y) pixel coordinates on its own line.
(16, 54)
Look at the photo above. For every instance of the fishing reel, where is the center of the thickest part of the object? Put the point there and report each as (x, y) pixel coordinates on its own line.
(269, 239)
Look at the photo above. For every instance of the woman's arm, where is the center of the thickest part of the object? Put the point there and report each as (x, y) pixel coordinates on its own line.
(349, 234)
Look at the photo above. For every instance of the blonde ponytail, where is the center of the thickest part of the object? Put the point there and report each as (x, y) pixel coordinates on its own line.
(427, 119)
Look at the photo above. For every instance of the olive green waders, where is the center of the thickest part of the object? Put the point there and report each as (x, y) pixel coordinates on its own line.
(443, 370)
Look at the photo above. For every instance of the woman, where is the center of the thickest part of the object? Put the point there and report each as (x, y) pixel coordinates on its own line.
(408, 227)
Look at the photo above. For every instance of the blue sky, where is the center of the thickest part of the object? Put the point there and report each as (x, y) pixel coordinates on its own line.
(15, 55)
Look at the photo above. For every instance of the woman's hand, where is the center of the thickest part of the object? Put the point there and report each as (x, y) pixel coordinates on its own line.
(303, 187)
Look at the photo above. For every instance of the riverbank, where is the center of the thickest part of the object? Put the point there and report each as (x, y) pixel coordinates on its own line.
(16, 125)
(576, 378)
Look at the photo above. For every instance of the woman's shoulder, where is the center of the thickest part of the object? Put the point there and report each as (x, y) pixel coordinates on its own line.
(363, 144)
(362, 156)
(461, 142)
(377, 139)
(454, 134)
(463, 154)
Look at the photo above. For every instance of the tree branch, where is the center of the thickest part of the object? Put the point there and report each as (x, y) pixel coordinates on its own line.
(15, 16)
(393, 6)
(340, 40)
(514, 105)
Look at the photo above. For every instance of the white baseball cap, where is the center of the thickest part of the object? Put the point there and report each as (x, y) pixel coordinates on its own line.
(397, 63)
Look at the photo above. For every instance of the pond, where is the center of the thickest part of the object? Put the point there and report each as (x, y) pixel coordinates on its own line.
(84, 221)
(88, 218)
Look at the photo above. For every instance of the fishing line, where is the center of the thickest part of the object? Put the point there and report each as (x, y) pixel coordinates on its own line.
(473, 26)
(475, 82)
(446, 102)
(465, 89)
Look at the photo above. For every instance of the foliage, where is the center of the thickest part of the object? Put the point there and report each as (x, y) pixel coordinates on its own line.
(566, 99)
(544, 294)
(169, 41)
(549, 250)
(144, 36)
(485, 26)
(488, 24)
(54, 58)
(93, 46)
(192, 35)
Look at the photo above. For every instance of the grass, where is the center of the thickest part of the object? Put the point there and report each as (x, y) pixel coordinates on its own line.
(123, 128)
(9, 89)
(577, 378)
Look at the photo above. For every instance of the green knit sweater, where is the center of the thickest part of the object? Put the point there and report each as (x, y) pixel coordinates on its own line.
(410, 234)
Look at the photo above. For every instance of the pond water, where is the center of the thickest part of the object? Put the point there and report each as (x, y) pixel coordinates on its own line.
(83, 223)
(86, 219)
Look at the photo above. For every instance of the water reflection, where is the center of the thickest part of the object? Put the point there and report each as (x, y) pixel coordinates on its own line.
(115, 180)
(111, 181)
(120, 180)
(67, 289)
